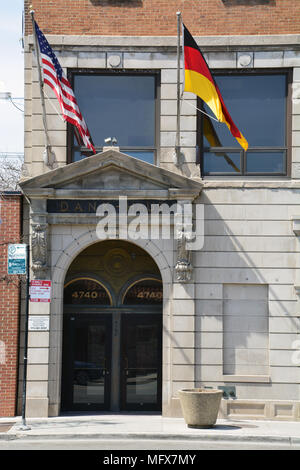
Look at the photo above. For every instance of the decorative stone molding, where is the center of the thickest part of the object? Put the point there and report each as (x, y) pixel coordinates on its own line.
(39, 249)
(183, 267)
(297, 289)
(88, 178)
(183, 228)
(114, 60)
(296, 224)
(245, 60)
(270, 41)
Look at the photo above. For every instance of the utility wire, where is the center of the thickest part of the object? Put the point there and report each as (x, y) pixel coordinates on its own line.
(11, 100)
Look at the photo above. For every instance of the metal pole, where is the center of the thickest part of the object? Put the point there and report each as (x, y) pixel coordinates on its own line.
(49, 156)
(177, 146)
(24, 426)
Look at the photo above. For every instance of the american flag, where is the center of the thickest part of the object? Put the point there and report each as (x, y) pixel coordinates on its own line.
(56, 79)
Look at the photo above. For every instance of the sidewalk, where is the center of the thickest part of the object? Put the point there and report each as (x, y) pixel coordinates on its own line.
(148, 426)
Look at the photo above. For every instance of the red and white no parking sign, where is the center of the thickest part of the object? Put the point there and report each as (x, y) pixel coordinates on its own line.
(40, 291)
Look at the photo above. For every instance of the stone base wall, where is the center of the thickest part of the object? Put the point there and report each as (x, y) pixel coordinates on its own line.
(281, 410)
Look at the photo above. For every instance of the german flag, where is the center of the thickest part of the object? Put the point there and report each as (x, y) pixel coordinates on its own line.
(214, 141)
(199, 80)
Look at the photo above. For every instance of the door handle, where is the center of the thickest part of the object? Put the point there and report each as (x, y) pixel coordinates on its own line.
(105, 370)
(126, 366)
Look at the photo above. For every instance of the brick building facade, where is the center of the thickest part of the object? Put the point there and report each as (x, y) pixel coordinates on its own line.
(223, 315)
(10, 232)
(156, 17)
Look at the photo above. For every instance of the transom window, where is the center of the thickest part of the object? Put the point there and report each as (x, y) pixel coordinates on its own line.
(117, 105)
(145, 291)
(257, 104)
(86, 291)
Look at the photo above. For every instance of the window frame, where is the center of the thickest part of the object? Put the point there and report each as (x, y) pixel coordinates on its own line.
(243, 155)
(92, 71)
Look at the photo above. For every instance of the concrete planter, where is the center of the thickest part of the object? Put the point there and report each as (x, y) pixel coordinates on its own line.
(200, 407)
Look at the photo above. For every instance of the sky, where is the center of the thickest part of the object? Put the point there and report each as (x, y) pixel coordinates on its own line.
(11, 76)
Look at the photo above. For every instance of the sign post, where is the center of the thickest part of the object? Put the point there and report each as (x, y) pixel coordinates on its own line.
(24, 426)
(18, 263)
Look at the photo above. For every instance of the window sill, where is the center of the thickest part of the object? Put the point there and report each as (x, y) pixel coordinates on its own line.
(247, 378)
(269, 177)
(242, 183)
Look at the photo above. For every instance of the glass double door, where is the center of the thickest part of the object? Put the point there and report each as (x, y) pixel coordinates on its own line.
(112, 362)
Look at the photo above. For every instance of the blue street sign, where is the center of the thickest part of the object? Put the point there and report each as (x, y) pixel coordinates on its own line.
(16, 259)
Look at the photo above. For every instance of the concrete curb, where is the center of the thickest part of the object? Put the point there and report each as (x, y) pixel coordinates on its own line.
(25, 435)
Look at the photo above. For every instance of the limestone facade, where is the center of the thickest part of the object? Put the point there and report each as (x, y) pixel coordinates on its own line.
(236, 322)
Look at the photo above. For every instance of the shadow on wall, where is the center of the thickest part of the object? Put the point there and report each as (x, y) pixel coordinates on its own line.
(242, 307)
(229, 3)
(118, 3)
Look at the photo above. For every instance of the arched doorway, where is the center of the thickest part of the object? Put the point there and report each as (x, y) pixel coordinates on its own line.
(112, 333)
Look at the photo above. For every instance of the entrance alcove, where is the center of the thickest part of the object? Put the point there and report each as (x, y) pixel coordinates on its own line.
(112, 330)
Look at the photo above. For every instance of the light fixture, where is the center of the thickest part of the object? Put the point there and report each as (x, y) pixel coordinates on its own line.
(6, 95)
(111, 140)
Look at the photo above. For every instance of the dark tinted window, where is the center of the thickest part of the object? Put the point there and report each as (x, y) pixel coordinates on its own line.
(121, 106)
(257, 105)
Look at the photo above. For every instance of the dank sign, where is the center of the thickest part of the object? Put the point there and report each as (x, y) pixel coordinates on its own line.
(89, 206)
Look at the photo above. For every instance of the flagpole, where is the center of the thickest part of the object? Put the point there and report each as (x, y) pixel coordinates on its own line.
(177, 144)
(49, 156)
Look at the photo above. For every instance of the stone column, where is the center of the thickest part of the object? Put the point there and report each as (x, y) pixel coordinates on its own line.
(183, 310)
(38, 339)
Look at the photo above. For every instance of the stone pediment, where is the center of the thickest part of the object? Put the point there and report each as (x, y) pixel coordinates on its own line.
(112, 172)
(111, 178)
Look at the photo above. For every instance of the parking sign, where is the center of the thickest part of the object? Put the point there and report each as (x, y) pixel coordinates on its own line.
(16, 259)
(40, 290)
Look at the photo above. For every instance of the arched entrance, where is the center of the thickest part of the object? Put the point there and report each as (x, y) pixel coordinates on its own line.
(112, 332)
